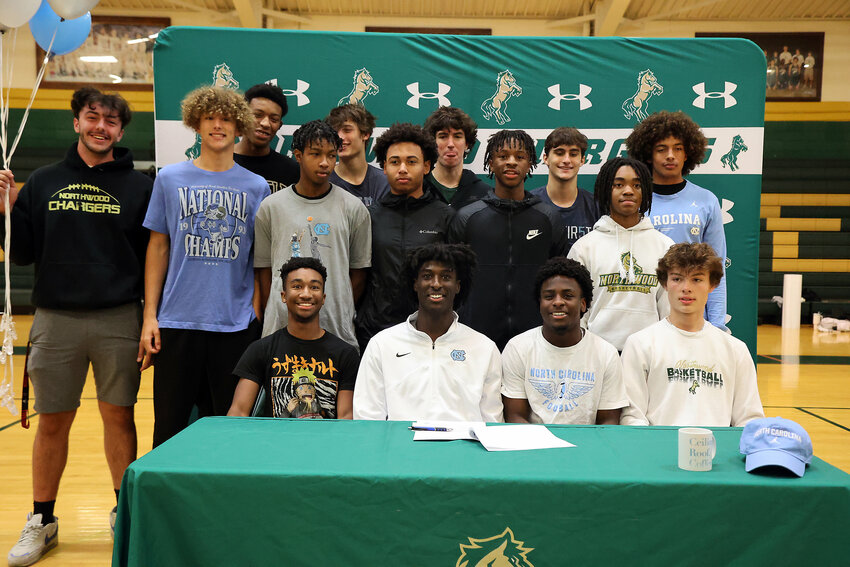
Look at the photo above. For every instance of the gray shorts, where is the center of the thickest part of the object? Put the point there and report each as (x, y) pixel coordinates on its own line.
(63, 344)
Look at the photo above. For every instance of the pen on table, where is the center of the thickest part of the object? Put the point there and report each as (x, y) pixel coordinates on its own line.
(417, 428)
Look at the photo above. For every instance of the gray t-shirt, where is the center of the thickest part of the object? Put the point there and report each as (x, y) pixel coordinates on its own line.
(336, 228)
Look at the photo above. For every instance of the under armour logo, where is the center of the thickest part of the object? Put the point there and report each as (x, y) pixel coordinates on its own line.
(726, 95)
(300, 88)
(726, 206)
(583, 102)
(442, 90)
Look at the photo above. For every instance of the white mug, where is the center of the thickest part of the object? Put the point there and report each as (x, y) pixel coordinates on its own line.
(697, 448)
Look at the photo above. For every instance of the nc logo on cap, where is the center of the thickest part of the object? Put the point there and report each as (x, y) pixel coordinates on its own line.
(774, 441)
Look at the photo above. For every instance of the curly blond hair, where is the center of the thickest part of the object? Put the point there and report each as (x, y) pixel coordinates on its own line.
(216, 100)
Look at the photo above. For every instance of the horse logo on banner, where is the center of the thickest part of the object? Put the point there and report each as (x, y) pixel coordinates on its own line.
(635, 105)
(499, 551)
(222, 76)
(363, 87)
(731, 158)
(506, 87)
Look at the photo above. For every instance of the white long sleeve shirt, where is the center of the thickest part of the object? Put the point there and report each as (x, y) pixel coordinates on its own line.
(674, 377)
(404, 376)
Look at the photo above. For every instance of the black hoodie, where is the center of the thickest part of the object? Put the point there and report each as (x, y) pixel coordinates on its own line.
(399, 224)
(512, 239)
(469, 190)
(82, 227)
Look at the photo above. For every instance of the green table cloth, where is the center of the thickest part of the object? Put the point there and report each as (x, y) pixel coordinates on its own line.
(252, 491)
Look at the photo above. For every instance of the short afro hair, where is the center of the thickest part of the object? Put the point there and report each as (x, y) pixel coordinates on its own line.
(315, 131)
(510, 138)
(298, 262)
(460, 257)
(216, 100)
(89, 96)
(357, 113)
(272, 92)
(604, 185)
(689, 257)
(447, 117)
(565, 136)
(405, 132)
(661, 125)
(561, 266)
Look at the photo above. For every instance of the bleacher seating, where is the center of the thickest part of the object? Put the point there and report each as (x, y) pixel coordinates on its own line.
(805, 229)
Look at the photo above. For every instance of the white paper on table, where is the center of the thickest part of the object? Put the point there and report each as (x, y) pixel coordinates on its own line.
(518, 437)
(457, 430)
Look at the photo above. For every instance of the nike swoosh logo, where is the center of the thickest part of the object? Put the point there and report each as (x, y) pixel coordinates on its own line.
(49, 539)
(400, 355)
(532, 234)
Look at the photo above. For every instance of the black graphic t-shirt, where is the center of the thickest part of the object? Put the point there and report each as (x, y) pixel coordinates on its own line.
(278, 170)
(302, 378)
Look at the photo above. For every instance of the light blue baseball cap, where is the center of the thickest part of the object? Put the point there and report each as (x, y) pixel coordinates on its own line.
(774, 441)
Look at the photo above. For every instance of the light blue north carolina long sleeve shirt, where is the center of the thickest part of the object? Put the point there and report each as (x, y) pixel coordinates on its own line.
(693, 215)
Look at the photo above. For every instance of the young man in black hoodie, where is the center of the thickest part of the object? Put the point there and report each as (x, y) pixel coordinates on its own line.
(80, 222)
(513, 233)
(455, 133)
(405, 218)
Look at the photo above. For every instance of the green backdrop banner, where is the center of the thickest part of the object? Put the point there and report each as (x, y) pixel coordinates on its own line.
(603, 86)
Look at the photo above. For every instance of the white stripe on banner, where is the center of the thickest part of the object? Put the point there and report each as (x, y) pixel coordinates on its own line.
(734, 151)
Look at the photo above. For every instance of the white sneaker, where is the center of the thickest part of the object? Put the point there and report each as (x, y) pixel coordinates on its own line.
(112, 516)
(35, 541)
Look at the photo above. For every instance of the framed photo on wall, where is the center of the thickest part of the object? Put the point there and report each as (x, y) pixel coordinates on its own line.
(117, 54)
(794, 63)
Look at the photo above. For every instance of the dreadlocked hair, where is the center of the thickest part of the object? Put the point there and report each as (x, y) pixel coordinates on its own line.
(399, 133)
(460, 257)
(661, 125)
(315, 131)
(560, 266)
(604, 185)
(510, 138)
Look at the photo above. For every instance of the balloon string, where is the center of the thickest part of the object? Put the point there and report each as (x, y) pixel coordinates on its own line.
(7, 325)
(47, 57)
(4, 118)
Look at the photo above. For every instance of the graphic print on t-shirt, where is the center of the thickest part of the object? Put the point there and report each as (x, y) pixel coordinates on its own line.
(213, 222)
(303, 388)
(695, 375)
(312, 231)
(561, 386)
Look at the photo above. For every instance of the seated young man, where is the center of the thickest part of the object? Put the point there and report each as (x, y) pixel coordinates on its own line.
(682, 370)
(306, 371)
(563, 153)
(560, 373)
(621, 253)
(431, 367)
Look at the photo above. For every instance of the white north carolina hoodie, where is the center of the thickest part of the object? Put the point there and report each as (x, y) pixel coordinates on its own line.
(622, 261)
